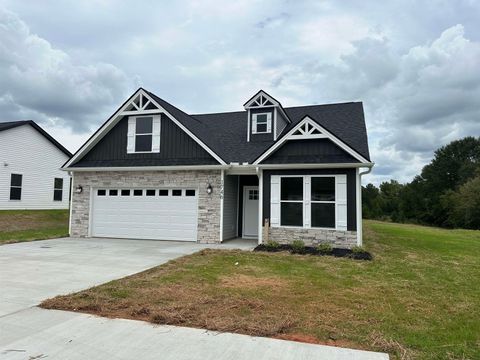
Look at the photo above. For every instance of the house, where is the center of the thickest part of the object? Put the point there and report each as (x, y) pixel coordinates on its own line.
(30, 174)
(151, 171)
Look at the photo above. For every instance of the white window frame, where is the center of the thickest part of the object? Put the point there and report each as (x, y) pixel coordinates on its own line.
(132, 134)
(306, 201)
(14, 186)
(268, 123)
(334, 202)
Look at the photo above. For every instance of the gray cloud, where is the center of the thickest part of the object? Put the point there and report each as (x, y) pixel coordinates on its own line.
(417, 75)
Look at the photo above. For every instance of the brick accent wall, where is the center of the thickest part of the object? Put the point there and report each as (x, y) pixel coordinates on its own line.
(208, 205)
(312, 237)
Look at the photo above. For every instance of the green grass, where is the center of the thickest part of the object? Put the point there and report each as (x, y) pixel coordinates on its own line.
(28, 225)
(418, 299)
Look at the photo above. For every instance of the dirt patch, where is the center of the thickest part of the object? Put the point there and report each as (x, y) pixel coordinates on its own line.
(309, 339)
(251, 282)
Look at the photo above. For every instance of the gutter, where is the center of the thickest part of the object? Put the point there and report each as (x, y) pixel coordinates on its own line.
(359, 204)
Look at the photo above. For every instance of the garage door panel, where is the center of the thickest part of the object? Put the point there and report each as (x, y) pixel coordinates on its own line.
(145, 217)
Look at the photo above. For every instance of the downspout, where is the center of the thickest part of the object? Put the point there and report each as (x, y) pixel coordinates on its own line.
(260, 203)
(359, 204)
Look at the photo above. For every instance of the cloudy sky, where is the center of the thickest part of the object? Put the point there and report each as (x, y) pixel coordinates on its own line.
(415, 64)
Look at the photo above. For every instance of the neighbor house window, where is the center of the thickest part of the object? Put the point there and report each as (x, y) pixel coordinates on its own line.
(16, 186)
(291, 201)
(58, 189)
(143, 134)
(323, 202)
(262, 123)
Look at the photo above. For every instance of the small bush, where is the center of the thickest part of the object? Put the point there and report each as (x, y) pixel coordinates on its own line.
(358, 250)
(324, 248)
(298, 247)
(272, 245)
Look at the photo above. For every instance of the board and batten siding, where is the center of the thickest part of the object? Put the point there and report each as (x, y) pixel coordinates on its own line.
(23, 150)
(230, 207)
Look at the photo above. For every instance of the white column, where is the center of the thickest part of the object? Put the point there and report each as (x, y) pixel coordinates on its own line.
(260, 206)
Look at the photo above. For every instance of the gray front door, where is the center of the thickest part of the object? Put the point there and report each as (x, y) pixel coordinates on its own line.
(250, 212)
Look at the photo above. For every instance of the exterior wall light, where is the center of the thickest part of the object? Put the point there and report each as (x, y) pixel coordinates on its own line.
(209, 189)
(78, 189)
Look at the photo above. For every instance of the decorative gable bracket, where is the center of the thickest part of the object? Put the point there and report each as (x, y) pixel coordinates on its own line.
(139, 105)
(307, 129)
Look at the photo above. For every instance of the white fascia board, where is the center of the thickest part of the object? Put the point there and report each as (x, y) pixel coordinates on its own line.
(148, 168)
(105, 128)
(314, 166)
(329, 135)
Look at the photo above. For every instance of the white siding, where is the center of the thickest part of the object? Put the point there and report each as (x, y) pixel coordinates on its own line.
(230, 207)
(23, 150)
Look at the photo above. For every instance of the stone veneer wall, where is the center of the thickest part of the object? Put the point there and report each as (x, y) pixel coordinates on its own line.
(336, 238)
(208, 205)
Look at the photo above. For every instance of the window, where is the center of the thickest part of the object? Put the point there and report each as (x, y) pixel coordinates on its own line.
(252, 194)
(163, 192)
(176, 192)
(143, 134)
(113, 192)
(57, 189)
(101, 192)
(323, 202)
(291, 201)
(125, 192)
(261, 123)
(16, 186)
(150, 192)
(137, 192)
(189, 192)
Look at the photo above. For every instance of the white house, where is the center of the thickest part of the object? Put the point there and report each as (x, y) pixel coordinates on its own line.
(30, 162)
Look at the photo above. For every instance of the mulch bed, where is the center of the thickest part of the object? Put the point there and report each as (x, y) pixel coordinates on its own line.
(310, 250)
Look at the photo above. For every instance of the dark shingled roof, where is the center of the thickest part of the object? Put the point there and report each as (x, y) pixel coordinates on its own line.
(13, 124)
(226, 133)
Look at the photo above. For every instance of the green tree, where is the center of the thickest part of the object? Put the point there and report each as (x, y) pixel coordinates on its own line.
(464, 205)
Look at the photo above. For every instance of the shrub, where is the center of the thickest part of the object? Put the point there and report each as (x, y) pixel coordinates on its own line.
(298, 247)
(358, 250)
(324, 248)
(272, 245)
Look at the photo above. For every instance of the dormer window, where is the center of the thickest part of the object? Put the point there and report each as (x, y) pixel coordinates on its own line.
(143, 134)
(262, 123)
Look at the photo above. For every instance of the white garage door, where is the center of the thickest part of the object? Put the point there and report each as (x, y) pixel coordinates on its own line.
(158, 214)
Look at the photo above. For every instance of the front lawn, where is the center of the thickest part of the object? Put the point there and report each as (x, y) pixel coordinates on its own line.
(27, 225)
(419, 297)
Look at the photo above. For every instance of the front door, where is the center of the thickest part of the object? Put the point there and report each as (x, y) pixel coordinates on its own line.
(250, 212)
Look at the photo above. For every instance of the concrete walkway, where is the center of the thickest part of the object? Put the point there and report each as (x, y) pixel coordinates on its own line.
(32, 272)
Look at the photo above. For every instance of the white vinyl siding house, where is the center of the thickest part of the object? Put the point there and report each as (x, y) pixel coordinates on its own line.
(35, 162)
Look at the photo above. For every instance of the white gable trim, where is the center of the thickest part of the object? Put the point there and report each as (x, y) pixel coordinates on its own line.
(254, 103)
(122, 111)
(325, 134)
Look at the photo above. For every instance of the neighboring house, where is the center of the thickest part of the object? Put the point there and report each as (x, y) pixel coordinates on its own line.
(30, 174)
(151, 171)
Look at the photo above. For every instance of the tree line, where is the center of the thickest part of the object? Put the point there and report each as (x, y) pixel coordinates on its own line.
(446, 193)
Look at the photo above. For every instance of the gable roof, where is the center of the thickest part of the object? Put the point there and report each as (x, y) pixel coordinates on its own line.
(14, 124)
(225, 134)
(229, 130)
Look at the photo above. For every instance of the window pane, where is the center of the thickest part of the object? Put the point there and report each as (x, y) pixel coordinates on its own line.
(144, 125)
(163, 192)
(150, 192)
(113, 192)
(323, 215)
(125, 192)
(16, 180)
(292, 188)
(190, 193)
(101, 192)
(323, 189)
(261, 118)
(177, 192)
(58, 184)
(261, 128)
(291, 214)
(57, 195)
(137, 192)
(15, 193)
(143, 143)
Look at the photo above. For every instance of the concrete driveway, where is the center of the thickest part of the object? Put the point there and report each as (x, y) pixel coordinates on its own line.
(32, 272)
